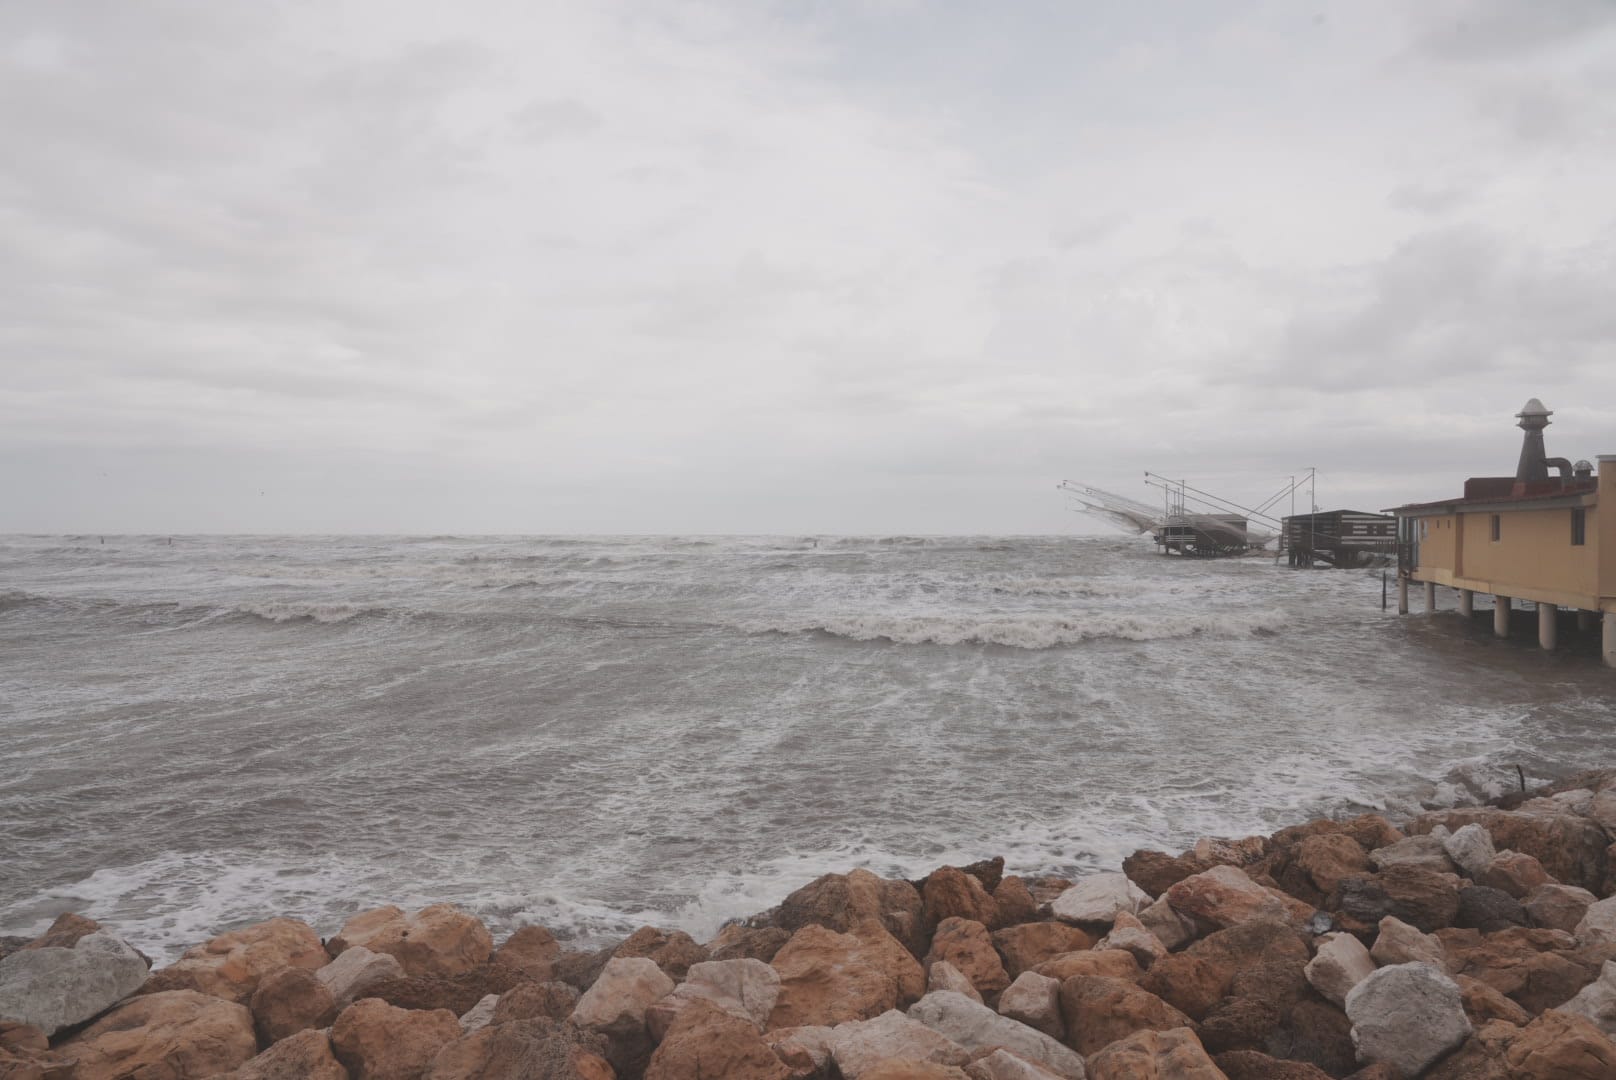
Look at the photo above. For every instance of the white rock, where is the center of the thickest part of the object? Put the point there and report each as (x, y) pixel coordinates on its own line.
(1034, 1000)
(1597, 1000)
(627, 986)
(807, 1046)
(54, 988)
(1131, 935)
(1003, 1065)
(746, 988)
(1471, 848)
(1556, 906)
(1602, 808)
(1575, 801)
(1340, 963)
(1098, 899)
(1171, 929)
(1400, 943)
(1598, 925)
(945, 976)
(1426, 851)
(859, 1045)
(1407, 1016)
(977, 1027)
(480, 1014)
(356, 971)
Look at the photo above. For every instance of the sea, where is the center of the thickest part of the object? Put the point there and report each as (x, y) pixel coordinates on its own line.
(596, 733)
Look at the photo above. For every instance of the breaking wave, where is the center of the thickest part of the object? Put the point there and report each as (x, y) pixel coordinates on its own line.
(278, 611)
(1026, 631)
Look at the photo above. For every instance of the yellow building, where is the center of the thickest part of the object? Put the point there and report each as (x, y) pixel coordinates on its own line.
(1527, 537)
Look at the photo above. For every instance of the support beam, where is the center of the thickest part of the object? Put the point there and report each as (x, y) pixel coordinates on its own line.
(1402, 595)
(1430, 596)
(1609, 644)
(1547, 624)
(1501, 616)
(1585, 620)
(1467, 602)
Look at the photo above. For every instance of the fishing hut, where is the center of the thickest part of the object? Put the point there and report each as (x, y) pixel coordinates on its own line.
(1338, 538)
(1528, 538)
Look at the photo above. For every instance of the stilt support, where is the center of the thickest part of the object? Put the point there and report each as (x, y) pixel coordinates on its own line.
(1609, 643)
(1547, 624)
(1430, 596)
(1501, 616)
(1402, 595)
(1467, 602)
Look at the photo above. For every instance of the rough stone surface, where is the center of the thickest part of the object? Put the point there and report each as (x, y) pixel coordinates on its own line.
(1098, 899)
(1340, 963)
(64, 932)
(965, 944)
(288, 1001)
(952, 893)
(533, 951)
(1598, 923)
(847, 902)
(1423, 898)
(305, 1055)
(828, 978)
(1400, 943)
(536, 1001)
(378, 1041)
(1561, 1046)
(1130, 934)
(1098, 1012)
(1170, 928)
(805, 1050)
(352, 974)
(1225, 896)
(1034, 1000)
(1515, 873)
(1015, 901)
(859, 1045)
(739, 942)
(977, 1027)
(1425, 852)
(705, 1041)
(1570, 847)
(231, 965)
(744, 988)
(457, 993)
(1597, 1000)
(480, 1015)
(1325, 860)
(1407, 1016)
(899, 1069)
(1110, 964)
(1471, 849)
(1483, 1004)
(1538, 969)
(169, 1035)
(525, 1050)
(1240, 1023)
(619, 998)
(52, 987)
(1154, 1055)
(945, 976)
(674, 951)
(1003, 1065)
(1024, 947)
(440, 940)
(1195, 980)
(1253, 1065)
(1558, 907)
(1488, 910)
(1156, 871)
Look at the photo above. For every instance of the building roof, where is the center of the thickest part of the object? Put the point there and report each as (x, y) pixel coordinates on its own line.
(1507, 493)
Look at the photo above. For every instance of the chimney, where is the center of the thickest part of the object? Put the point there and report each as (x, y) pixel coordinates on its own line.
(1534, 464)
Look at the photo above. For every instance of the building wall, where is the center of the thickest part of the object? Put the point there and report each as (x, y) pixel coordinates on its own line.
(1533, 550)
(1437, 536)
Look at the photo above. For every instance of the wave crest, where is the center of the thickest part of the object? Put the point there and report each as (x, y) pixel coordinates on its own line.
(280, 611)
(1026, 631)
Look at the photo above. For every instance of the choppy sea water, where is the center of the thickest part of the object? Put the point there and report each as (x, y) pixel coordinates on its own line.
(599, 733)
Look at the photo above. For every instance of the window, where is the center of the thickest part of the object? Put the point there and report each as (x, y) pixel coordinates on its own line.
(1579, 527)
(1425, 530)
(1496, 529)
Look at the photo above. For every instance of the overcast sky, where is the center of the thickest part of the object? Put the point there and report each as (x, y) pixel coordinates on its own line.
(833, 266)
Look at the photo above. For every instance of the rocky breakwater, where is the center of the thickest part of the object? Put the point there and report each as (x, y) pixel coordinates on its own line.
(1471, 944)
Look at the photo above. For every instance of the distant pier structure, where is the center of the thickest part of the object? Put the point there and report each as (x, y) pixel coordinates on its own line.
(1338, 538)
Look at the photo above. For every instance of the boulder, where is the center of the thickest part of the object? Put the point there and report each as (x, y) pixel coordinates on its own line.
(951, 893)
(805, 1050)
(52, 987)
(1110, 964)
(1400, 943)
(1485, 909)
(231, 965)
(1325, 860)
(1098, 1012)
(352, 974)
(618, 1000)
(1154, 1055)
(1221, 851)
(64, 932)
(536, 1001)
(1561, 1046)
(828, 978)
(1318, 1033)
(859, 1045)
(169, 1035)
(744, 988)
(524, 1048)
(1407, 1016)
(1426, 852)
(1003, 1065)
(1340, 963)
(25, 1053)
(966, 945)
(1034, 1000)
(457, 993)
(1471, 849)
(1597, 1000)
(847, 902)
(1597, 925)
(1129, 933)
(1026, 946)
(1171, 929)
(1156, 871)
(674, 951)
(1240, 1023)
(1195, 980)
(1483, 1004)
(378, 1041)
(1424, 899)
(706, 1041)
(1570, 847)
(1015, 902)
(1558, 907)
(288, 1001)
(945, 976)
(305, 1055)
(976, 1027)
(1537, 969)
(533, 951)
(480, 1015)
(1515, 873)
(438, 941)
(1225, 896)
(740, 942)
(1253, 1065)
(899, 1069)
(1097, 900)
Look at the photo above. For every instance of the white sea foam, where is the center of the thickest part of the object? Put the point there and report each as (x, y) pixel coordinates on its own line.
(1025, 631)
(281, 611)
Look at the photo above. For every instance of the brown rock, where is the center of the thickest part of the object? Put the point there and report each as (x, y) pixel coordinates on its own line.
(1561, 1046)
(1570, 847)
(536, 1049)
(1515, 873)
(536, 1001)
(65, 932)
(1154, 1055)
(459, 993)
(804, 1050)
(288, 1001)
(378, 1041)
(171, 1035)
(1480, 1057)
(305, 1055)
(896, 1069)
(965, 944)
(1240, 1023)
(533, 951)
(671, 950)
(941, 975)
(1225, 896)
(25, 1054)
(705, 1041)
(1425, 899)
(828, 978)
(844, 903)
(1097, 1012)
(1130, 934)
(1156, 871)
(1557, 907)
(739, 942)
(440, 941)
(1110, 964)
(1252, 1065)
(1482, 1003)
(1537, 969)
(1327, 860)
(1195, 980)
(1371, 831)
(1015, 902)
(231, 965)
(952, 893)
(1318, 1033)
(1027, 945)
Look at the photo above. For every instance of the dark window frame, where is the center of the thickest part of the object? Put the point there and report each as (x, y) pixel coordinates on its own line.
(1579, 527)
(1498, 527)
